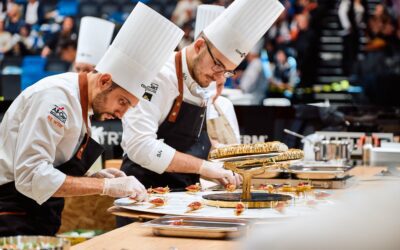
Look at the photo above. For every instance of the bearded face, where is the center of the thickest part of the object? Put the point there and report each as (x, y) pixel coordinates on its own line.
(100, 107)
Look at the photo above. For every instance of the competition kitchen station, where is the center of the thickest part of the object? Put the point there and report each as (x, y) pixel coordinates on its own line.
(180, 175)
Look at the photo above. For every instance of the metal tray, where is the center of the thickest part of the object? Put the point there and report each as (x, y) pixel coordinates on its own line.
(320, 166)
(319, 175)
(198, 227)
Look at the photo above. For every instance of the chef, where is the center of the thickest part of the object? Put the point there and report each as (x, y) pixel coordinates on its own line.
(95, 35)
(46, 146)
(165, 138)
(222, 124)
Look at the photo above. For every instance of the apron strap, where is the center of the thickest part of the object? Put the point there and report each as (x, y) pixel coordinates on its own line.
(83, 92)
(178, 101)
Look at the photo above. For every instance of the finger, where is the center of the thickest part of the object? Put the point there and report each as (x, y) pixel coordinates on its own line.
(231, 178)
(222, 181)
(116, 172)
(133, 195)
(141, 197)
(104, 174)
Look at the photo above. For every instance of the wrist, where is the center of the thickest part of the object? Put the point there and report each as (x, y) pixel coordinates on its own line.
(103, 186)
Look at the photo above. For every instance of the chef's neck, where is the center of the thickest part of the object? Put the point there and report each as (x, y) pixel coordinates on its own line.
(190, 55)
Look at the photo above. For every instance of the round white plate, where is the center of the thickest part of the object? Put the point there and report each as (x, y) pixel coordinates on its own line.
(177, 203)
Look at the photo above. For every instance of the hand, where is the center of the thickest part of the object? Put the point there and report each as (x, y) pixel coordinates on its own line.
(123, 187)
(215, 170)
(108, 173)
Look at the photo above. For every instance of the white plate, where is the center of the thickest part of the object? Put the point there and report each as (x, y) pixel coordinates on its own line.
(177, 205)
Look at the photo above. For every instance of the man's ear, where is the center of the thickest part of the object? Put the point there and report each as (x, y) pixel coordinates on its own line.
(198, 44)
(105, 81)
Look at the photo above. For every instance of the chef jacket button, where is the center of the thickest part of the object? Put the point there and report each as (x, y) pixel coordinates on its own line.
(174, 113)
(178, 104)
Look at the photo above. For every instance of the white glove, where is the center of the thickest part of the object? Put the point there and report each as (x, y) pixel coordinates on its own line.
(123, 187)
(215, 170)
(108, 173)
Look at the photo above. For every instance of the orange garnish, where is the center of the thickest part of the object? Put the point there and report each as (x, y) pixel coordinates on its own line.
(239, 209)
(193, 188)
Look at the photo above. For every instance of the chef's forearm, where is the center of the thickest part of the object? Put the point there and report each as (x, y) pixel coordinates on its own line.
(184, 163)
(80, 186)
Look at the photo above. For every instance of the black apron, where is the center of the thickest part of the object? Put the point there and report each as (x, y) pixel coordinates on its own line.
(20, 215)
(184, 130)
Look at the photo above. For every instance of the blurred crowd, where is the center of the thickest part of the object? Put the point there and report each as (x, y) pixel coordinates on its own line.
(286, 58)
(26, 30)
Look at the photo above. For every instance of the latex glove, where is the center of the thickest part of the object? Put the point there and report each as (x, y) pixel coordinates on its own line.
(123, 187)
(108, 173)
(216, 170)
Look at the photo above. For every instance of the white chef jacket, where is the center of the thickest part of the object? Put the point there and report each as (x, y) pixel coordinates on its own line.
(228, 110)
(35, 139)
(140, 124)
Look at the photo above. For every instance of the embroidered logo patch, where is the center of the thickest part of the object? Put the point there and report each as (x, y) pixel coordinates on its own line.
(240, 53)
(59, 113)
(147, 96)
(152, 88)
(149, 90)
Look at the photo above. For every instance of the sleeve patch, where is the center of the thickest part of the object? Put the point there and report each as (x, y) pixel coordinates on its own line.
(57, 116)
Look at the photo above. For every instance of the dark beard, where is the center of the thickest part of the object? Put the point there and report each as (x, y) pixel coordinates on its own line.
(98, 105)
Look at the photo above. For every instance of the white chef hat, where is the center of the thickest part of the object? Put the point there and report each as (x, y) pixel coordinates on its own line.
(142, 46)
(206, 13)
(241, 25)
(94, 38)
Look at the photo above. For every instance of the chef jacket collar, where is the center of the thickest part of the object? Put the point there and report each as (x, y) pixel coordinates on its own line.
(190, 83)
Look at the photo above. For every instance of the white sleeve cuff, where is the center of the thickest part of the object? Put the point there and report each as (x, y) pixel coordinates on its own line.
(160, 158)
(45, 184)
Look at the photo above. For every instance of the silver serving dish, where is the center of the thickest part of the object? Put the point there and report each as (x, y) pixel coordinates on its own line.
(327, 150)
(320, 172)
(33, 243)
(198, 227)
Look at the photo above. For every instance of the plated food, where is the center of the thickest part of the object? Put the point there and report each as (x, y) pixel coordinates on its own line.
(230, 187)
(239, 209)
(193, 188)
(193, 206)
(158, 202)
(158, 190)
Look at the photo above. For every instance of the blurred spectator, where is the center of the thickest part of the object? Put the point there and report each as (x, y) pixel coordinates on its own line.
(13, 20)
(5, 6)
(67, 51)
(184, 11)
(26, 42)
(5, 39)
(66, 34)
(380, 29)
(254, 80)
(284, 76)
(33, 12)
(353, 20)
(279, 32)
(307, 54)
(187, 36)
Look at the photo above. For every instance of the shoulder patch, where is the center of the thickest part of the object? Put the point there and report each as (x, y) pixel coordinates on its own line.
(59, 113)
(150, 90)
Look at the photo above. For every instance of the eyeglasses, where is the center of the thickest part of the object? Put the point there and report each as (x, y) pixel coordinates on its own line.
(218, 68)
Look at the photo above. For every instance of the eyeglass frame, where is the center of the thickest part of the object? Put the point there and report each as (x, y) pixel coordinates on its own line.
(227, 73)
